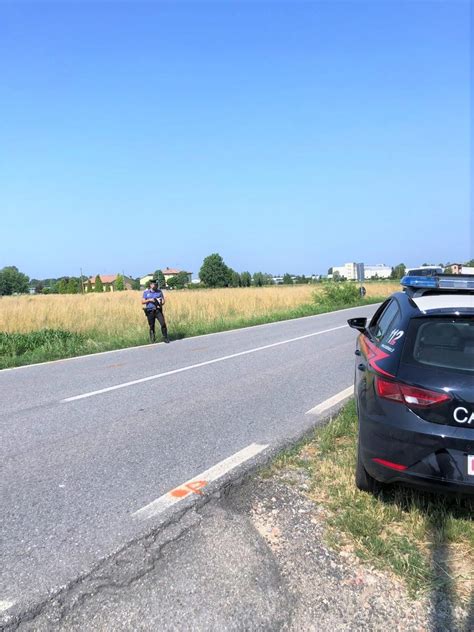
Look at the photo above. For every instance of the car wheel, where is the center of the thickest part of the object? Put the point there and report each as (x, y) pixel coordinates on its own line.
(363, 480)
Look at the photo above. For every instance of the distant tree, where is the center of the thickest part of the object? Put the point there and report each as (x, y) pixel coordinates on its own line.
(160, 278)
(214, 272)
(119, 283)
(179, 281)
(136, 284)
(398, 271)
(246, 279)
(301, 278)
(12, 281)
(287, 279)
(89, 285)
(269, 280)
(235, 280)
(173, 283)
(330, 271)
(72, 286)
(448, 270)
(39, 287)
(469, 264)
(99, 286)
(258, 279)
(336, 276)
(61, 285)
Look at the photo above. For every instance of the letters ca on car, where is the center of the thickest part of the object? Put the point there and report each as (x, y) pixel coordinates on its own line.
(414, 387)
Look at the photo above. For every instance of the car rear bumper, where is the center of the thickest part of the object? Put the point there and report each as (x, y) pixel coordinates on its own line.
(435, 456)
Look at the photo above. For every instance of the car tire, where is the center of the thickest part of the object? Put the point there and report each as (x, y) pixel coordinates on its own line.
(363, 480)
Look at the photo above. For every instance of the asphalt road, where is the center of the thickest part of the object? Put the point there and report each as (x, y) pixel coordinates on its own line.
(88, 443)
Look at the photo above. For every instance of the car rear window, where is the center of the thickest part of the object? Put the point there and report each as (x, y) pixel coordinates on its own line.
(447, 343)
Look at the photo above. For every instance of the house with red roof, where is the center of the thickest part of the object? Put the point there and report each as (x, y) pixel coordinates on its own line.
(168, 273)
(108, 283)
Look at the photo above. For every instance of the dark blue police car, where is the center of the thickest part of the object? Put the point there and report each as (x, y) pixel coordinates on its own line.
(414, 387)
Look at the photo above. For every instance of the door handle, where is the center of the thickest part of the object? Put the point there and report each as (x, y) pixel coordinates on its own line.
(361, 366)
(357, 352)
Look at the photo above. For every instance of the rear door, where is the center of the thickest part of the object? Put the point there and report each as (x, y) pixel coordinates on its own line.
(379, 350)
(438, 354)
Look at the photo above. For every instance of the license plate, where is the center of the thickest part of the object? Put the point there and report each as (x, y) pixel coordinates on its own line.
(470, 464)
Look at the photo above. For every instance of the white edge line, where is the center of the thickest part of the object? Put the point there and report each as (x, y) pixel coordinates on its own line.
(214, 333)
(212, 474)
(332, 401)
(196, 366)
(6, 605)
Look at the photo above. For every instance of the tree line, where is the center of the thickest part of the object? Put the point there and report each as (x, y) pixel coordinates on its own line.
(214, 273)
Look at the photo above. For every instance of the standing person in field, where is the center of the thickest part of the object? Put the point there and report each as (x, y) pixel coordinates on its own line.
(153, 301)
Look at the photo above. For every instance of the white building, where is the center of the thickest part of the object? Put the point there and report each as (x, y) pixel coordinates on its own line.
(348, 271)
(356, 271)
(378, 270)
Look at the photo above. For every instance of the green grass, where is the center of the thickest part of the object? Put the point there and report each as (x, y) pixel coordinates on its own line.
(53, 344)
(426, 540)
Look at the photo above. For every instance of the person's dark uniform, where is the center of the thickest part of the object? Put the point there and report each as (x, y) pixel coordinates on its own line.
(153, 300)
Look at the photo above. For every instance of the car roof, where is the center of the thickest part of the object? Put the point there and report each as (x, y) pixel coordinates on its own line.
(434, 303)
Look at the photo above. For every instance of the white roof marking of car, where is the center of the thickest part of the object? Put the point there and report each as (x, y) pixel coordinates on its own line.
(444, 301)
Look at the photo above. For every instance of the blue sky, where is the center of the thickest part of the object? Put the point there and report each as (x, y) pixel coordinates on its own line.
(287, 136)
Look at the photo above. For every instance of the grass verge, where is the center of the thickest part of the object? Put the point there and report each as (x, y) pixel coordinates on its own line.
(426, 540)
(18, 349)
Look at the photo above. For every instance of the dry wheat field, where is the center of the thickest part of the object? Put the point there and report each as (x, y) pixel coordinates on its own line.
(111, 314)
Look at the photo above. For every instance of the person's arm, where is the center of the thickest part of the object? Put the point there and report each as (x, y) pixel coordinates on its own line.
(163, 300)
(146, 300)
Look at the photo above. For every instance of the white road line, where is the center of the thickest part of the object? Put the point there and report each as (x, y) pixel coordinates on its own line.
(332, 401)
(198, 483)
(5, 605)
(197, 366)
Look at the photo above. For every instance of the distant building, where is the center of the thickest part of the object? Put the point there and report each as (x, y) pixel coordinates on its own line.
(459, 268)
(378, 270)
(144, 280)
(353, 271)
(168, 273)
(108, 283)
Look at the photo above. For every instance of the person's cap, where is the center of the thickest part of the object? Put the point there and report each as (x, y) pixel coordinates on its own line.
(153, 281)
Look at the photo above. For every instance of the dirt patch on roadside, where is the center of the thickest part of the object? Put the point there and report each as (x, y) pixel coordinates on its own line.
(333, 590)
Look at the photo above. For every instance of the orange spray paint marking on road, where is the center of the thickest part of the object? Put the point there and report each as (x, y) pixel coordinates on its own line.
(193, 487)
(179, 492)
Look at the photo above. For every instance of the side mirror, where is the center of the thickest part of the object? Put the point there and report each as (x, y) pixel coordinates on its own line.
(358, 323)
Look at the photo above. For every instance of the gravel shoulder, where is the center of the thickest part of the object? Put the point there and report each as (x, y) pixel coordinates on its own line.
(254, 559)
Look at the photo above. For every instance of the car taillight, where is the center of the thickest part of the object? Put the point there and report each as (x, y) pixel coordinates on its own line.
(409, 395)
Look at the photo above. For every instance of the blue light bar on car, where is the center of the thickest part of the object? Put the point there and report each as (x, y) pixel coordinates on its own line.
(445, 282)
(422, 282)
(456, 283)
